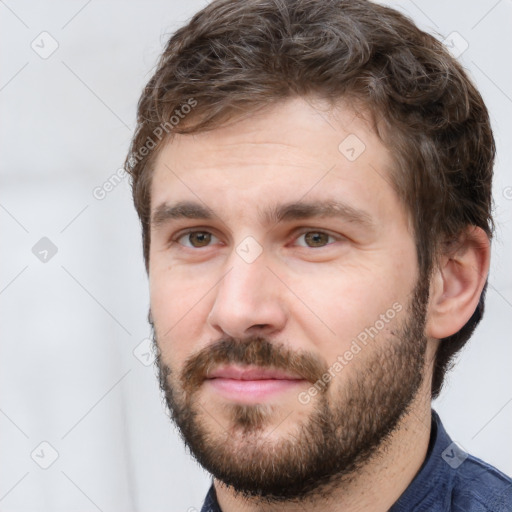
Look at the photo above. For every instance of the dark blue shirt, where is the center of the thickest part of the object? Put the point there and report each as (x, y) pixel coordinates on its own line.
(449, 480)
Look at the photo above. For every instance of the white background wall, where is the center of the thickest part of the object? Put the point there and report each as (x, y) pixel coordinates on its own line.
(68, 375)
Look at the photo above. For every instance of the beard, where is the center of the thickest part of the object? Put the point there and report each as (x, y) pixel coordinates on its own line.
(341, 433)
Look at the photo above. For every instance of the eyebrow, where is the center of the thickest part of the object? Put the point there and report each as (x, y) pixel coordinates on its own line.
(299, 210)
(181, 210)
(302, 210)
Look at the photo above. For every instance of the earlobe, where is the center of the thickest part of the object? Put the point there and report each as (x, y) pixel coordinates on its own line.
(457, 283)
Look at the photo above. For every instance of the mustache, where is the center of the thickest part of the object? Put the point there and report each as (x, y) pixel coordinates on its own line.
(254, 351)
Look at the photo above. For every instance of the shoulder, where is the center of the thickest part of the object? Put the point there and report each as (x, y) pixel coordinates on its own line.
(480, 487)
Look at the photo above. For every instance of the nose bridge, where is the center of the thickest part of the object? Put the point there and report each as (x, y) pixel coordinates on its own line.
(244, 283)
(246, 296)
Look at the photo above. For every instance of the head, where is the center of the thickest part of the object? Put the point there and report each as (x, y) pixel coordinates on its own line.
(301, 169)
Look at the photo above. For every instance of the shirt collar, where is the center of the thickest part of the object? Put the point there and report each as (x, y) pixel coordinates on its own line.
(434, 478)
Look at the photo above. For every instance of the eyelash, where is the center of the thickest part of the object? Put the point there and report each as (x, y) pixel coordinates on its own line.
(296, 236)
(189, 232)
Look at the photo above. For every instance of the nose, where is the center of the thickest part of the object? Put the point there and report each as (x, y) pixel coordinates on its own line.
(248, 300)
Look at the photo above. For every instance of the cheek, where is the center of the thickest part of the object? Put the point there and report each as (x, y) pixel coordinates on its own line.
(174, 292)
(179, 309)
(337, 306)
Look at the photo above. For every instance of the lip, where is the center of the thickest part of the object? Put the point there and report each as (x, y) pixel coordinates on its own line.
(250, 373)
(251, 385)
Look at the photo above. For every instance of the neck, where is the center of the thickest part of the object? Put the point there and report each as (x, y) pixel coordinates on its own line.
(375, 487)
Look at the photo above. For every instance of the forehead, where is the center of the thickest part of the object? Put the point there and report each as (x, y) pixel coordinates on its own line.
(292, 150)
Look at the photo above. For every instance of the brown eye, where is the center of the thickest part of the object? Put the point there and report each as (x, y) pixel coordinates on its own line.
(316, 239)
(196, 239)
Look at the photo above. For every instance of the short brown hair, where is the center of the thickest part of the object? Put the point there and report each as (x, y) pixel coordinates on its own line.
(236, 56)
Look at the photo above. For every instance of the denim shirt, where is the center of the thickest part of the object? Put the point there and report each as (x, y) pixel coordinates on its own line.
(449, 480)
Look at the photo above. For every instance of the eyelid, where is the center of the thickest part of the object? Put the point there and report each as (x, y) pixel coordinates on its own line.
(302, 231)
(298, 232)
(196, 229)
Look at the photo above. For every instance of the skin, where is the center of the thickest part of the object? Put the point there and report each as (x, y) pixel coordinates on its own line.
(309, 299)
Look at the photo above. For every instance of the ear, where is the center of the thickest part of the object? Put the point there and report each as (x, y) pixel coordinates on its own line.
(457, 283)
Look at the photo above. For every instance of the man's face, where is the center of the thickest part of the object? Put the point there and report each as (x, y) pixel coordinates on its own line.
(285, 296)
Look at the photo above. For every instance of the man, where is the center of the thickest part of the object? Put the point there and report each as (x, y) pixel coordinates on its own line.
(314, 185)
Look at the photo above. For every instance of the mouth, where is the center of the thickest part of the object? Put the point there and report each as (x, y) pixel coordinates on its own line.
(246, 384)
